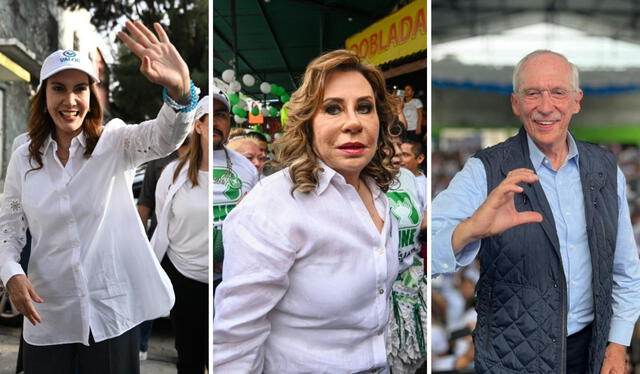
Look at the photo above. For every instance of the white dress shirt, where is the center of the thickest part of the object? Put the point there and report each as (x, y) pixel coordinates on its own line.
(306, 280)
(90, 259)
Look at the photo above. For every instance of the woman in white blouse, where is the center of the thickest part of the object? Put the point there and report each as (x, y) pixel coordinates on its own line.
(311, 251)
(92, 274)
(182, 197)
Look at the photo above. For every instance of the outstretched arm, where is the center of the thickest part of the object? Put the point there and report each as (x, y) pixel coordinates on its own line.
(161, 62)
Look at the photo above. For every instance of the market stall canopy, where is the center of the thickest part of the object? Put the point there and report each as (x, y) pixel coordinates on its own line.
(275, 39)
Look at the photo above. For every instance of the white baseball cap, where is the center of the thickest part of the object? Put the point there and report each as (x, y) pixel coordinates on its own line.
(219, 95)
(203, 107)
(63, 60)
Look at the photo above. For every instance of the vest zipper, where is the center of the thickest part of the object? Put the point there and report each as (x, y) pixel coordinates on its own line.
(563, 357)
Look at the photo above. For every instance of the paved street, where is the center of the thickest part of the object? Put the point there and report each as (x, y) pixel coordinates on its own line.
(161, 358)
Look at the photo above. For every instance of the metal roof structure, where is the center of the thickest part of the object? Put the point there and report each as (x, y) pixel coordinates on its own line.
(274, 40)
(458, 19)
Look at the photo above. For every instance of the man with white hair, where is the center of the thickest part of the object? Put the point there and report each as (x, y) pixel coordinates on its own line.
(547, 217)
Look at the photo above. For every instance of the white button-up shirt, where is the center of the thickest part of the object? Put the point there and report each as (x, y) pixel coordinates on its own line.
(306, 280)
(90, 259)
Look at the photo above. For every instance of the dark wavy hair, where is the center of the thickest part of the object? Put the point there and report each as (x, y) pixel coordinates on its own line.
(296, 146)
(41, 125)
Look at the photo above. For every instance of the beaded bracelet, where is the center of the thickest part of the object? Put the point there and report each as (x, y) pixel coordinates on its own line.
(194, 92)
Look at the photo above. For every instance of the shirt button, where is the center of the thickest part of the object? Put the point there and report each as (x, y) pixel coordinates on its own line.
(446, 266)
(571, 246)
(570, 315)
(380, 291)
(573, 283)
(554, 340)
(567, 214)
(380, 251)
(555, 285)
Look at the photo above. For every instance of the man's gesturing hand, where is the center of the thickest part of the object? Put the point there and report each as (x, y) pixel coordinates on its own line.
(498, 212)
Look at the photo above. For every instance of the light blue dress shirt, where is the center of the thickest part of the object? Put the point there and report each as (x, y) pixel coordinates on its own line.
(563, 191)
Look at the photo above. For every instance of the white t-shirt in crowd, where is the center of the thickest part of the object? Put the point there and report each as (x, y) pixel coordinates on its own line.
(229, 186)
(306, 287)
(407, 209)
(422, 190)
(410, 111)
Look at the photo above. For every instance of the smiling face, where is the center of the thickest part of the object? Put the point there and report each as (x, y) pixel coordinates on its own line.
(546, 100)
(345, 127)
(68, 99)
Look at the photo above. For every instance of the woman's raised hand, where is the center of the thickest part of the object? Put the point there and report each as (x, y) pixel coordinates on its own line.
(161, 62)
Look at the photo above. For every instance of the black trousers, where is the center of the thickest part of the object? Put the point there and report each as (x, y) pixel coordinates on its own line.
(578, 351)
(190, 319)
(117, 355)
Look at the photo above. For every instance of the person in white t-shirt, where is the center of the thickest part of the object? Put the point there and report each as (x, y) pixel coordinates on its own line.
(413, 112)
(92, 274)
(407, 329)
(233, 177)
(181, 242)
(315, 249)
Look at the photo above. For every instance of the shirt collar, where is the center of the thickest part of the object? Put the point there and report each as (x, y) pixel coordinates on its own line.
(538, 158)
(325, 177)
(80, 138)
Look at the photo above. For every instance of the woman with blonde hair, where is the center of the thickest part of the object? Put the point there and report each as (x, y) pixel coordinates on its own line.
(182, 235)
(312, 249)
(92, 274)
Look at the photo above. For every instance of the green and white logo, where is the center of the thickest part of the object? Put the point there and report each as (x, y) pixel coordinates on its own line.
(408, 216)
(228, 178)
(403, 209)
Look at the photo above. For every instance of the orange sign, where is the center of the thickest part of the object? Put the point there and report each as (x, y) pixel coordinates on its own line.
(397, 35)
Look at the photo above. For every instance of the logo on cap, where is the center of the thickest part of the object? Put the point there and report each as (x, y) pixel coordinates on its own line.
(69, 54)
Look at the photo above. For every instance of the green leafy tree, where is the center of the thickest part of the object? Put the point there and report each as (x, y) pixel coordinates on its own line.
(186, 23)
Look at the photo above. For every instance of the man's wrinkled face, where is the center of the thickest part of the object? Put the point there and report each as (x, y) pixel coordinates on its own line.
(546, 100)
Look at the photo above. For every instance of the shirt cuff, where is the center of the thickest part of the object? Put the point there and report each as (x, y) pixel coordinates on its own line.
(621, 332)
(443, 258)
(10, 269)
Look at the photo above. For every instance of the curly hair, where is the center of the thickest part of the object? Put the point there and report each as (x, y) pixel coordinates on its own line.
(41, 125)
(296, 145)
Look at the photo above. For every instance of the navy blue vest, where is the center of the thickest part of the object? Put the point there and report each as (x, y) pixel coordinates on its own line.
(521, 295)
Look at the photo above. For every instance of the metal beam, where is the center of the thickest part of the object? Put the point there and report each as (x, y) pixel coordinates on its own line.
(275, 39)
(234, 36)
(339, 10)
